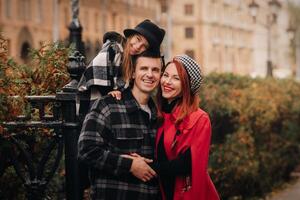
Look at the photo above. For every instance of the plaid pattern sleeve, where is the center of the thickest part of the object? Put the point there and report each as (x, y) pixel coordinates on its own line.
(104, 69)
(92, 148)
(102, 75)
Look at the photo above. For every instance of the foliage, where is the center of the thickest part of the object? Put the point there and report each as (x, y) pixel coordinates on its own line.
(43, 75)
(256, 132)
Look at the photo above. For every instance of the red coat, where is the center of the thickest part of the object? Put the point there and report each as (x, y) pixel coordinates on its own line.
(195, 132)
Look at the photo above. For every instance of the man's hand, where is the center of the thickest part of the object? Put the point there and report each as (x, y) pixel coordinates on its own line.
(141, 170)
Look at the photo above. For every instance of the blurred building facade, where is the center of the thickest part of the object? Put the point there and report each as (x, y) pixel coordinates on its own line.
(219, 34)
(280, 52)
(222, 36)
(30, 23)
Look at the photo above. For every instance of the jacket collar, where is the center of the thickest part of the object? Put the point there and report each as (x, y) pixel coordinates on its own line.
(132, 105)
(189, 121)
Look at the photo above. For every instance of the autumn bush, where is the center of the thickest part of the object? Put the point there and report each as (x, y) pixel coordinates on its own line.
(42, 75)
(256, 132)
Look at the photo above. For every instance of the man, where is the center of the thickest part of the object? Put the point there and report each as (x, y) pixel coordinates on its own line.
(116, 128)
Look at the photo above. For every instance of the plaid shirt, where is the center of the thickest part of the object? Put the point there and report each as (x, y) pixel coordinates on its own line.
(114, 127)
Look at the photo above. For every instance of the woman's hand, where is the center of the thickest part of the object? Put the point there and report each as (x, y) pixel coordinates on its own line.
(116, 94)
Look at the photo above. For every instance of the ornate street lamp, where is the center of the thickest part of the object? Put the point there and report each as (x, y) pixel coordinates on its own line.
(274, 7)
(253, 6)
(291, 31)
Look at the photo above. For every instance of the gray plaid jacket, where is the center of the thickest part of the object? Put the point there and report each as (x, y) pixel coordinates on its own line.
(114, 127)
(103, 73)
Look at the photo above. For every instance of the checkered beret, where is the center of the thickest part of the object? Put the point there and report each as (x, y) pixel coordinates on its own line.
(193, 71)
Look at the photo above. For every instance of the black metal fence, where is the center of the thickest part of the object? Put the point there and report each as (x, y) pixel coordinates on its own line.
(62, 129)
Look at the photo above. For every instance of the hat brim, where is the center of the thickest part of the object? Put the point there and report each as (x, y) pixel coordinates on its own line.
(128, 32)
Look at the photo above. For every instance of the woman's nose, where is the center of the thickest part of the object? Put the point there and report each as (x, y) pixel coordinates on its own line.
(168, 80)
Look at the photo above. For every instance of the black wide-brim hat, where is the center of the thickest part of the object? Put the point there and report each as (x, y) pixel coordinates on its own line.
(153, 34)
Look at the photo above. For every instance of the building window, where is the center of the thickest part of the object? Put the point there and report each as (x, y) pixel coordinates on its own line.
(97, 24)
(189, 32)
(8, 8)
(27, 10)
(190, 53)
(163, 8)
(25, 48)
(39, 10)
(21, 6)
(188, 9)
(86, 17)
(66, 13)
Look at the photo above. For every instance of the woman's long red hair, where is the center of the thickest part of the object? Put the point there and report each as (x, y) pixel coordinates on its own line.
(188, 102)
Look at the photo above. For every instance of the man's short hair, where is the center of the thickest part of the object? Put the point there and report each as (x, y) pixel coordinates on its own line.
(148, 54)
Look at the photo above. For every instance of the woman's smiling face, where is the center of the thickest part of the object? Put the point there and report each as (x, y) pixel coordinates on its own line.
(170, 82)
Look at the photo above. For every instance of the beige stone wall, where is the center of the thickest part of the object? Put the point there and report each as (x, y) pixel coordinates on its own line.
(227, 29)
(25, 23)
(222, 39)
(176, 21)
(225, 39)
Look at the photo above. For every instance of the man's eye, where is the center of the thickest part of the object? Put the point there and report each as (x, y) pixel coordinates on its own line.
(156, 69)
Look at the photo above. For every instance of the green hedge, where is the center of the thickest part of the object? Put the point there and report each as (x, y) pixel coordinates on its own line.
(256, 132)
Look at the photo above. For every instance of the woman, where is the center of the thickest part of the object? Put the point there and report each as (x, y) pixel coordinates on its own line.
(111, 68)
(183, 139)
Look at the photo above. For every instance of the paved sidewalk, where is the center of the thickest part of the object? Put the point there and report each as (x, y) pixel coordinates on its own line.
(291, 192)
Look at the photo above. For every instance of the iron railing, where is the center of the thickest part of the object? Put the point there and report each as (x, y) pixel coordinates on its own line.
(55, 116)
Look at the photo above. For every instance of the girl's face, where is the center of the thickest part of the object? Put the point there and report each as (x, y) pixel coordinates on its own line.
(170, 83)
(137, 44)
